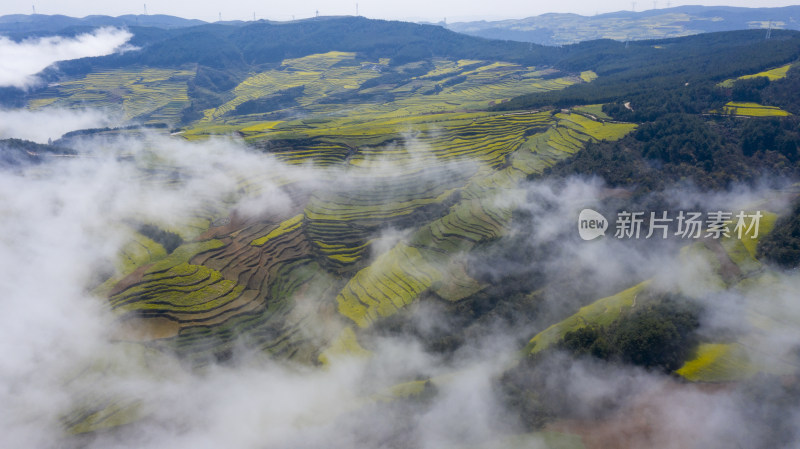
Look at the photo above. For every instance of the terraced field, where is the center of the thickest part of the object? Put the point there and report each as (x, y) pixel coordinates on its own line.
(335, 90)
(749, 354)
(341, 222)
(140, 250)
(411, 187)
(772, 74)
(320, 76)
(718, 362)
(245, 279)
(744, 109)
(599, 313)
(486, 140)
(146, 95)
(752, 352)
(315, 96)
(395, 182)
(200, 297)
(424, 162)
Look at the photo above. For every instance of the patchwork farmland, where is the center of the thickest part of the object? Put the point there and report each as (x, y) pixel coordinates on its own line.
(345, 198)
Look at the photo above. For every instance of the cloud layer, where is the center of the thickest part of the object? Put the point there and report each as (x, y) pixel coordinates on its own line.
(63, 220)
(21, 61)
(39, 126)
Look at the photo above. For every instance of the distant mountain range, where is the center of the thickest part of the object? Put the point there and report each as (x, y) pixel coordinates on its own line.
(545, 29)
(41, 23)
(562, 29)
(240, 46)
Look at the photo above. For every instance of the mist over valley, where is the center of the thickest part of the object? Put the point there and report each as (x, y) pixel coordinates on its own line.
(358, 233)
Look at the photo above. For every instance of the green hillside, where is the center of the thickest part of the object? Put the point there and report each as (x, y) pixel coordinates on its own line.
(421, 181)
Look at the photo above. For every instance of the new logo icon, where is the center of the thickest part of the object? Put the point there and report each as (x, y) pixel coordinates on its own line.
(591, 224)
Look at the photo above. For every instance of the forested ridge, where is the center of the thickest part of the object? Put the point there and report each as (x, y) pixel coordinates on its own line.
(676, 91)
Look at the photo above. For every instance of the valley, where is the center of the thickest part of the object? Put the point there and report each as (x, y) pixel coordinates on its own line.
(358, 241)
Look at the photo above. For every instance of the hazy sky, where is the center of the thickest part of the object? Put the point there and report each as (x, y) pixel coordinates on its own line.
(394, 9)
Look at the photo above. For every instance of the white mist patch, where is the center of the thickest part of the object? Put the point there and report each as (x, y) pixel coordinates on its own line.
(61, 223)
(39, 126)
(52, 236)
(60, 220)
(20, 61)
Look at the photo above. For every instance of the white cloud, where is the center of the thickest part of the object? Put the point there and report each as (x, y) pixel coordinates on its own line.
(21, 61)
(61, 220)
(38, 126)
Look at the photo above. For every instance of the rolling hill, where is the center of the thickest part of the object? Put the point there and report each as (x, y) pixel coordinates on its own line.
(562, 29)
(394, 186)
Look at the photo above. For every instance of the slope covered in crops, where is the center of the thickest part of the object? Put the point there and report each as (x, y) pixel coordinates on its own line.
(390, 181)
(246, 277)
